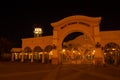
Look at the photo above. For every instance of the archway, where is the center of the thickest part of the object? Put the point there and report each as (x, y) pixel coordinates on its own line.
(77, 48)
(112, 53)
(37, 54)
(16, 54)
(89, 26)
(27, 54)
(48, 55)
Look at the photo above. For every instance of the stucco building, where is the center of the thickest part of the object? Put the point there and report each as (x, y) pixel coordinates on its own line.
(91, 47)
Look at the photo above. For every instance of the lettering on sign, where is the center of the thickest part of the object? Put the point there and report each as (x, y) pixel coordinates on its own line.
(71, 23)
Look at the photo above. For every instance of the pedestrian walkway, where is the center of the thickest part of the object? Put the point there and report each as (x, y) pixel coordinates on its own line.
(57, 72)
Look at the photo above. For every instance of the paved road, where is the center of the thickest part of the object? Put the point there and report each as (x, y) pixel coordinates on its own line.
(35, 71)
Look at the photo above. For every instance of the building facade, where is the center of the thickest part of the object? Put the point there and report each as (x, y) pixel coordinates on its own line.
(92, 47)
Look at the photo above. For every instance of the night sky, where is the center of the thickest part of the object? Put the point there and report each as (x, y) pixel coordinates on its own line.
(18, 17)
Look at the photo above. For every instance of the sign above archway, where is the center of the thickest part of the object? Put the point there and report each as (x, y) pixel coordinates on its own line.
(76, 19)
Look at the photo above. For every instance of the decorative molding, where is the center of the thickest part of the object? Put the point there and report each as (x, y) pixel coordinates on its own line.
(85, 19)
(75, 22)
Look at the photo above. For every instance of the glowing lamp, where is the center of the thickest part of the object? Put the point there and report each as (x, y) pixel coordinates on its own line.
(38, 32)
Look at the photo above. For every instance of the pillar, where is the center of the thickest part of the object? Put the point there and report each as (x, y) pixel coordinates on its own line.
(13, 55)
(55, 45)
(43, 57)
(22, 59)
(55, 57)
(116, 58)
(32, 57)
(60, 56)
(98, 56)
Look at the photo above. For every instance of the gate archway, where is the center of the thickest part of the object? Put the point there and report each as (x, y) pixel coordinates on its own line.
(112, 53)
(79, 50)
(89, 26)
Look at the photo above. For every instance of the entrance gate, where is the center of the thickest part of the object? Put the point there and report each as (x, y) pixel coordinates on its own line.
(77, 23)
(78, 51)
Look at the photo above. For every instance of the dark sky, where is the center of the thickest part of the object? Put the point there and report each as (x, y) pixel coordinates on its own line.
(18, 17)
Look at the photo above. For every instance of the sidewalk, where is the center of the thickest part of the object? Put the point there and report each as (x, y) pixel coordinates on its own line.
(11, 71)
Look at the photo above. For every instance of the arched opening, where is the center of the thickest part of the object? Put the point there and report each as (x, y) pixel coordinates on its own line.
(72, 36)
(77, 48)
(48, 53)
(17, 54)
(112, 53)
(27, 54)
(37, 56)
(77, 23)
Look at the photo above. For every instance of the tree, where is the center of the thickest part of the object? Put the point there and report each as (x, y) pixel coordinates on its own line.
(5, 46)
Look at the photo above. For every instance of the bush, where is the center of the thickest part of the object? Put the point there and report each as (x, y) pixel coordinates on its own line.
(6, 57)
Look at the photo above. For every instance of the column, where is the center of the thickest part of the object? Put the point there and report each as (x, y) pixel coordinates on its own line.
(43, 57)
(55, 57)
(98, 56)
(32, 56)
(59, 54)
(116, 58)
(55, 50)
(13, 55)
(22, 59)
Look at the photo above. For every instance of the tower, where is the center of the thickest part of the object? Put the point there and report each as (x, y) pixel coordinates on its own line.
(37, 31)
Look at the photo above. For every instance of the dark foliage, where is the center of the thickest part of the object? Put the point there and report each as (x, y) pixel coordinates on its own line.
(5, 46)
